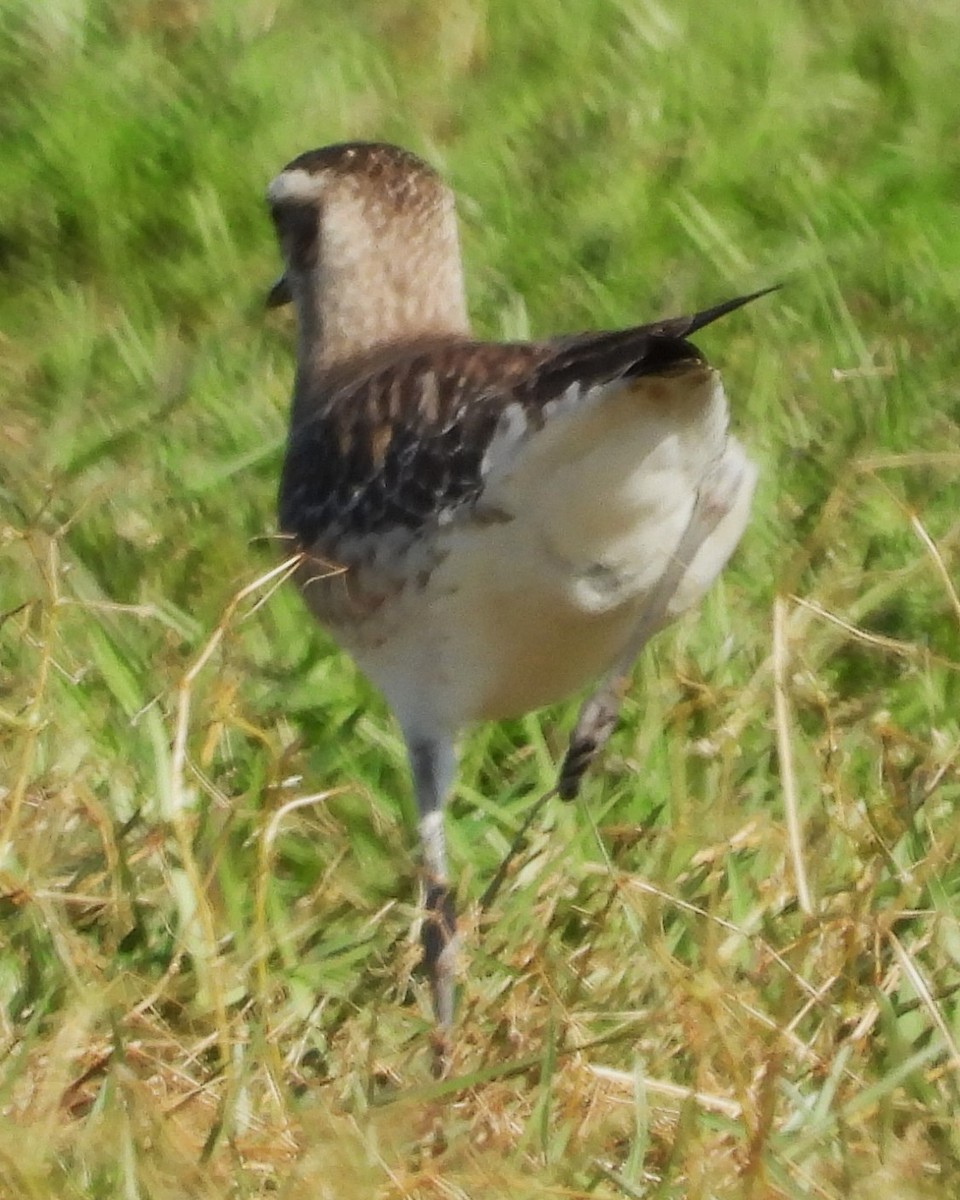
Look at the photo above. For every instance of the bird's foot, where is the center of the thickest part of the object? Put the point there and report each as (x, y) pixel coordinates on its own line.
(596, 721)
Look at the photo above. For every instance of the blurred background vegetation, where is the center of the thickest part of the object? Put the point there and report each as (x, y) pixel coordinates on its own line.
(207, 867)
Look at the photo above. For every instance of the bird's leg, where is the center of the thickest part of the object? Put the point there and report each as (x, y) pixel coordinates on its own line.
(432, 764)
(597, 718)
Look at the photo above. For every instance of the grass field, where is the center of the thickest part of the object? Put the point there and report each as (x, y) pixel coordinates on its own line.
(732, 969)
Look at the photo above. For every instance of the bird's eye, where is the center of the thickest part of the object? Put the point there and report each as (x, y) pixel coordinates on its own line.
(298, 227)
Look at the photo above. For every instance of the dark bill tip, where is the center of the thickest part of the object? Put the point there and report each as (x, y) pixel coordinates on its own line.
(279, 294)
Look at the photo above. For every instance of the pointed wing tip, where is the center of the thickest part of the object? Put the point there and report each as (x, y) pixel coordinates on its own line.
(708, 315)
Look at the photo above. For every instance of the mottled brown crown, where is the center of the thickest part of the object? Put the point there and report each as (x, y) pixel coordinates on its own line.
(388, 167)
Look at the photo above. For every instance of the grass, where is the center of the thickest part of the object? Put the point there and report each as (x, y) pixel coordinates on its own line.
(732, 969)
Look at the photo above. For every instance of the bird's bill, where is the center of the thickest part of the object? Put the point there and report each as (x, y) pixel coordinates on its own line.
(280, 293)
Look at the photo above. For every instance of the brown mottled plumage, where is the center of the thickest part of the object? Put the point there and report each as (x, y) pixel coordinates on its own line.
(486, 527)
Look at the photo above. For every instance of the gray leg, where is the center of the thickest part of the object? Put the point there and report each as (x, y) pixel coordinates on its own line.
(432, 762)
(598, 715)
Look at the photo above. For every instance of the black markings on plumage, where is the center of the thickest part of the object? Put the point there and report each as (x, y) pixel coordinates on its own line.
(353, 469)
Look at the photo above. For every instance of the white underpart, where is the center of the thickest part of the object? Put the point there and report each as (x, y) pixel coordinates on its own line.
(524, 611)
(511, 428)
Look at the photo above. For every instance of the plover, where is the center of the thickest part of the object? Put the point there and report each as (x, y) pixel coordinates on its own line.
(485, 527)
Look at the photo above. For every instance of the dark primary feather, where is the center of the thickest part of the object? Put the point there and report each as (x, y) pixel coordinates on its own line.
(397, 436)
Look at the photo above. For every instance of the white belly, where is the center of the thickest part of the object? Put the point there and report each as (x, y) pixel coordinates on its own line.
(541, 592)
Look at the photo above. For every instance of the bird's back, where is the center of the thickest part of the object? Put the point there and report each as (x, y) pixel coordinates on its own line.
(482, 522)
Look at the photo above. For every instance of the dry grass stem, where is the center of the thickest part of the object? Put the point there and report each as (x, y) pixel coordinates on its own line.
(781, 664)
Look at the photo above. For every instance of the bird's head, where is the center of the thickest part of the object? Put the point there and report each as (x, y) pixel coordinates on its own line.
(369, 217)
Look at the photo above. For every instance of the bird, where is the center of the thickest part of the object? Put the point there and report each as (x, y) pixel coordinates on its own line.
(485, 527)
